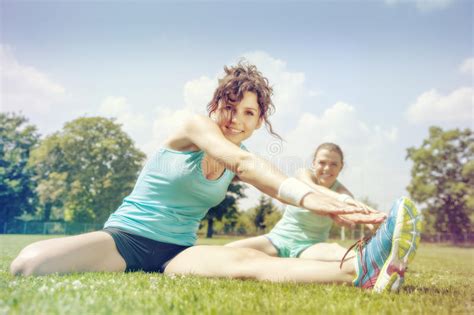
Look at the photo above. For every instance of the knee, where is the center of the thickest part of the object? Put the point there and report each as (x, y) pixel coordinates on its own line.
(28, 262)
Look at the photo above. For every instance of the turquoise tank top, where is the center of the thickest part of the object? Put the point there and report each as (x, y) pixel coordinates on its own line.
(170, 198)
(301, 226)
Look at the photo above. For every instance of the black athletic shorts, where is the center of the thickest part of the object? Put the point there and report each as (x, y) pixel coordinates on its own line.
(141, 253)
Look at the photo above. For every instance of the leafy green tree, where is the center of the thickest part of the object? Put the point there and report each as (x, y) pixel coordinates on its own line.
(443, 180)
(17, 195)
(50, 192)
(264, 208)
(85, 170)
(227, 208)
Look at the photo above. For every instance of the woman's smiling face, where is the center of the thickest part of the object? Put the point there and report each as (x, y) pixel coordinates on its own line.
(327, 165)
(238, 121)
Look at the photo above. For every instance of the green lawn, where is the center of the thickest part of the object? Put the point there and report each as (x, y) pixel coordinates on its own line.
(440, 281)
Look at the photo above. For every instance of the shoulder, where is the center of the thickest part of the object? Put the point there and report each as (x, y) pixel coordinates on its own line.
(198, 121)
(181, 138)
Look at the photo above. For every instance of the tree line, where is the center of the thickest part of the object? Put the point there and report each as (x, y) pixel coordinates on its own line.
(82, 172)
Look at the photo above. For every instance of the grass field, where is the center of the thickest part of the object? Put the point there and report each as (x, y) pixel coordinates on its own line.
(440, 281)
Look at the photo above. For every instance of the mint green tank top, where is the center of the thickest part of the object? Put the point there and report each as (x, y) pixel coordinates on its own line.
(301, 226)
(170, 198)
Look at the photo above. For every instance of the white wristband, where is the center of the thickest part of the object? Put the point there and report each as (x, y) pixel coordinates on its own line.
(293, 191)
(343, 197)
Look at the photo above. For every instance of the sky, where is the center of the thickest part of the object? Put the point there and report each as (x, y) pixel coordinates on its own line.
(371, 76)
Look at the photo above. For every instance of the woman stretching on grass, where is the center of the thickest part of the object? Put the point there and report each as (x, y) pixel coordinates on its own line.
(302, 233)
(155, 227)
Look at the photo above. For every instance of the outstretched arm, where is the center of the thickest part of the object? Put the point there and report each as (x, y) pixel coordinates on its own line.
(204, 133)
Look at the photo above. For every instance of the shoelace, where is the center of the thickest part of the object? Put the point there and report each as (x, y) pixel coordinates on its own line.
(359, 244)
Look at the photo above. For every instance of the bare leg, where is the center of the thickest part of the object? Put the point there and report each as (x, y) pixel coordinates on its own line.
(94, 251)
(246, 263)
(325, 252)
(260, 243)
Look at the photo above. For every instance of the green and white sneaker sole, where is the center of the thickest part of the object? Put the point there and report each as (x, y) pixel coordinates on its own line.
(405, 241)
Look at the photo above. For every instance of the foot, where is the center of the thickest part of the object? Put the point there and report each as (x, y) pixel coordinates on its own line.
(382, 261)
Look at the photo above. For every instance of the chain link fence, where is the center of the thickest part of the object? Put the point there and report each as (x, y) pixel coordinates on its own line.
(39, 227)
(448, 238)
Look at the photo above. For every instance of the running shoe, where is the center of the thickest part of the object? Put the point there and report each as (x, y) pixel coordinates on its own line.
(382, 260)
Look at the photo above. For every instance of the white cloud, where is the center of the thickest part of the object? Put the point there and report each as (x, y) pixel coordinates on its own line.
(431, 106)
(467, 66)
(198, 93)
(24, 88)
(137, 125)
(289, 87)
(423, 5)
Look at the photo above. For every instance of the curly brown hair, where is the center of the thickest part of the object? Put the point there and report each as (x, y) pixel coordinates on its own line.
(244, 77)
